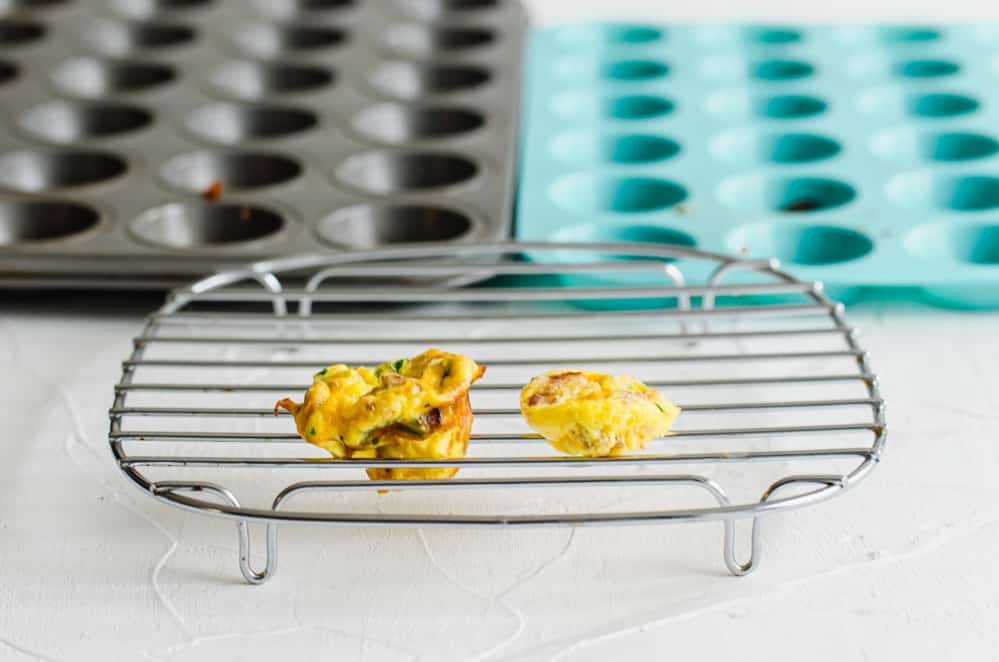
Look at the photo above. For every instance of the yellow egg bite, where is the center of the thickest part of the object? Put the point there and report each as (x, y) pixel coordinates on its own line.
(408, 408)
(593, 414)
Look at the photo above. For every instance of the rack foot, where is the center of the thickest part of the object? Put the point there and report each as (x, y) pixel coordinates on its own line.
(242, 527)
(743, 569)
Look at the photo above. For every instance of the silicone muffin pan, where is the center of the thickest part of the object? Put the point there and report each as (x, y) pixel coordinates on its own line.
(866, 156)
(146, 141)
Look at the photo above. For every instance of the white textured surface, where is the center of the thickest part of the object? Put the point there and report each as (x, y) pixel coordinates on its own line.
(92, 569)
(898, 569)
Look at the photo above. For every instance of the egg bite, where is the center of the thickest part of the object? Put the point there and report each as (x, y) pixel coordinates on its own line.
(407, 408)
(593, 414)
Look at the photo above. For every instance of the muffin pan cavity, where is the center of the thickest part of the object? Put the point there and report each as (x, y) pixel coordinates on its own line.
(204, 225)
(370, 226)
(257, 81)
(71, 122)
(435, 10)
(399, 124)
(39, 171)
(8, 71)
(149, 142)
(15, 6)
(413, 80)
(198, 172)
(24, 222)
(230, 123)
(272, 40)
(95, 78)
(865, 155)
(121, 38)
(20, 32)
(149, 9)
(385, 173)
(421, 40)
(285, 10)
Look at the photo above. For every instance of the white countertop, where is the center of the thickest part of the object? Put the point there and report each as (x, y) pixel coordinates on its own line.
(90, 569)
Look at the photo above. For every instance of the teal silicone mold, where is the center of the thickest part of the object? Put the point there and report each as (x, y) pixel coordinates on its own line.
(862, 156)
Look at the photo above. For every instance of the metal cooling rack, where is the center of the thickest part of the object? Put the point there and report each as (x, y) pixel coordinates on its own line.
(781, 406)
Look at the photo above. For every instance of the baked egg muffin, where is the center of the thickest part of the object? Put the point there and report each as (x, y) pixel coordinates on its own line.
(593, 414)
(407, 408)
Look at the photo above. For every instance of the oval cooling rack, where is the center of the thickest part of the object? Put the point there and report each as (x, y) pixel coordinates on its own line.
(781, 406)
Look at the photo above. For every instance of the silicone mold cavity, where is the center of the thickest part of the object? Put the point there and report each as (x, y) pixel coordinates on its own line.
(635, 70)
(780, 70)
(810, 245)
(610, 35)
(907, 34)
(909, 144)
(614, 148)
(746, 146)
(589, 193)
(970, 243)
(788, 106)
(940, 105)
(771, 35)
(822, 145)
(790, 195)
(926, 68)
(608, 233)
(960, 193)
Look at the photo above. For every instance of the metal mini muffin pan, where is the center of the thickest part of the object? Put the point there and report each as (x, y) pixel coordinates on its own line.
(143, 142)
(867, 156)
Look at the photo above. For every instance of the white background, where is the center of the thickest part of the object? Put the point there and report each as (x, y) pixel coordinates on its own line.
(901, 568)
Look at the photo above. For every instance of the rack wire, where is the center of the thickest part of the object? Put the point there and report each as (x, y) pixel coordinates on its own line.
(773, 382)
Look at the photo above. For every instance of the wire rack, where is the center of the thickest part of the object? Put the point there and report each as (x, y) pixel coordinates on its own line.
(781, 406)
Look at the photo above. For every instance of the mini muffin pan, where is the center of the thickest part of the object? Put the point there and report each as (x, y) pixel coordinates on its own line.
(866, 156)
(148, 141)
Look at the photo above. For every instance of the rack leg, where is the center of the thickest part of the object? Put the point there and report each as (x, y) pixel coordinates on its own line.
(245, 565)
(173, 490)
(743, 569)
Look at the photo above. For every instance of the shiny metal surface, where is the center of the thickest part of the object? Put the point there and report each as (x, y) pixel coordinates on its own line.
(771, 377)
(144, 144)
